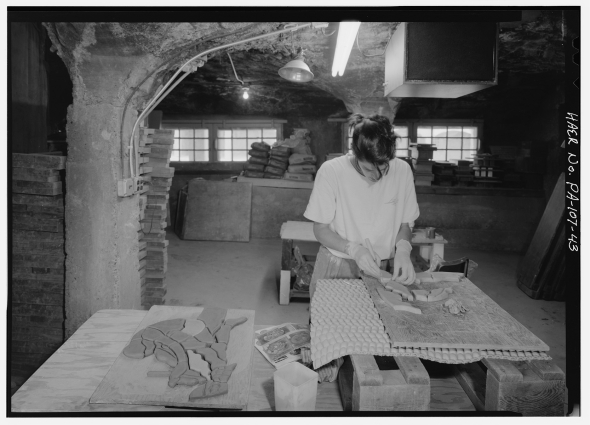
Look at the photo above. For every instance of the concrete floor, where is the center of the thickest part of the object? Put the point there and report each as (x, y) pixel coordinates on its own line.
(244, 275)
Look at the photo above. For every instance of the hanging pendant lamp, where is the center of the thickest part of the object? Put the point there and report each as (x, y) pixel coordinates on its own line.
(296, 71)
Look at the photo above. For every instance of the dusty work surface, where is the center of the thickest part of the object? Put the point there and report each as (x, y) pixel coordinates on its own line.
(485, 330)
(127, 380)
(349, 317)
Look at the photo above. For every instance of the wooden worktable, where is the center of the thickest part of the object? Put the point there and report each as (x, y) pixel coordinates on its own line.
(70, 376)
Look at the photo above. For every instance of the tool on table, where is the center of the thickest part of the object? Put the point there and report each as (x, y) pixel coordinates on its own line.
(384, 277)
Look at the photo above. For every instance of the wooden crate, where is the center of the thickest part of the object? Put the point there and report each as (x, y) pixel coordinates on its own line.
(364, 387)
(531, 388)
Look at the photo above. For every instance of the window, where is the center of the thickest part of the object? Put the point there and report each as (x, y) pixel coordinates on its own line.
(233, 144)
(190, 144)
(454, 139)
(453, 142)
(220, 140)
(403, 139)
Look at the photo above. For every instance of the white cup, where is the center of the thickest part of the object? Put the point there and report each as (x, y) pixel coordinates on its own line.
(296, 388)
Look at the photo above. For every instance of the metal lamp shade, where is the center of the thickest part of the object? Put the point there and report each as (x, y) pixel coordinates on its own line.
(296, 71)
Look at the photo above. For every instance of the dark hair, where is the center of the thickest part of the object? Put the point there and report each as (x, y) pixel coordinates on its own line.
(372, 140)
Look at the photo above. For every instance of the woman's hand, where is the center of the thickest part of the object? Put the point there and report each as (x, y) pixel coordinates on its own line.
(363, 259)
(403, 270)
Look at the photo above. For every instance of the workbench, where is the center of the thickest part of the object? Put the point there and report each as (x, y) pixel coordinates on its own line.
(67, 380)
(300, 233)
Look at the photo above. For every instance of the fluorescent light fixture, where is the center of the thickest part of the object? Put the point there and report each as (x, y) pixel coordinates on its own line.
(346, 34)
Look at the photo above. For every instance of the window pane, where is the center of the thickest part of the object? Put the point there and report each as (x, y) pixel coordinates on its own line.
(187, 156)
(470, 131)
(176, 132)
(202, 156)
(176, 144)
(455, 132)
(240, 144)
(239, 133)
(470, 144)
(439, 155)
(223, 144)
(439, 131)
(240, 156)
(201, 144)
(224, 155)
(269, 132)
(424, 140)
(186, 132)
(186, 144)
(440, 142)
(402, 152)
(224, 134)
(402, 143)
(270, 141)
(469, 155)
(454, 144)
(401, 131)
(424, 131)
(175, 156)
(453, 155)
(201, 132)
(254, 132)
(250, 141)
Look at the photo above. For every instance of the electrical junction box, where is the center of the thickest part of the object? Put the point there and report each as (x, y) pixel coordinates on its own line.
(127, 187)
(441, 59)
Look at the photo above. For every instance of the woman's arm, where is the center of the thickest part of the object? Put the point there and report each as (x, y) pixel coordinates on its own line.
(328, 238)
(403, 269)
(359, 253)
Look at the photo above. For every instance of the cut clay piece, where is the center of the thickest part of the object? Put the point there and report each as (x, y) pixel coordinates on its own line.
(211, 357)
(193, 327)
(220, 348)
(395, 301)
(135, 349)
(138, 335)
(178, 336)
(222, 374)
(209, 389)
(168, 325)
(177, 372)
(235, 322)
(190, 381)
(155, 335)
(158, 373)
(446, 276)
(425, 277)
(439, 294)
(165, 357)
(205, 336)
(222, 334)
(213, 318)
(192, 344)
(149, 347)
(385, 276)
(420, 294)
(400, 289)
(197, 363)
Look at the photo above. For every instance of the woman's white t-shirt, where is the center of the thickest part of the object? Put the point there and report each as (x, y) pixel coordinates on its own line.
(357, 209)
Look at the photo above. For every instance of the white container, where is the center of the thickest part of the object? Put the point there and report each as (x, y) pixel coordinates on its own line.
(296, 388)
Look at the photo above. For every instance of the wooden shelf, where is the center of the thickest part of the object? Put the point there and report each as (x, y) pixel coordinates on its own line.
(288, 184)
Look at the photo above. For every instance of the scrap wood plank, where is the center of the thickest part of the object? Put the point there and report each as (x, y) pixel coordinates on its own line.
(546, 232)
(486, 326)
(127, 381)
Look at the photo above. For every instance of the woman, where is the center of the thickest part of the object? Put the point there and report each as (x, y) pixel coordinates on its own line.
(368, 194)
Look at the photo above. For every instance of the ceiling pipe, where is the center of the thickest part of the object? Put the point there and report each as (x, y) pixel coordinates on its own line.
(164, 90)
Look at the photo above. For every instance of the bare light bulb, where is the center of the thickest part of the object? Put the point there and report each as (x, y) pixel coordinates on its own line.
(245, 95)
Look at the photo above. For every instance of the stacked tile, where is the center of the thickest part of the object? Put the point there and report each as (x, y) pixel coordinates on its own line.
(38, 274)
(259, 153)
(157, 180)
(278, 162)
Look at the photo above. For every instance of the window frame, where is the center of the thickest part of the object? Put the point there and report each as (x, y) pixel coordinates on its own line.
(222, 124)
